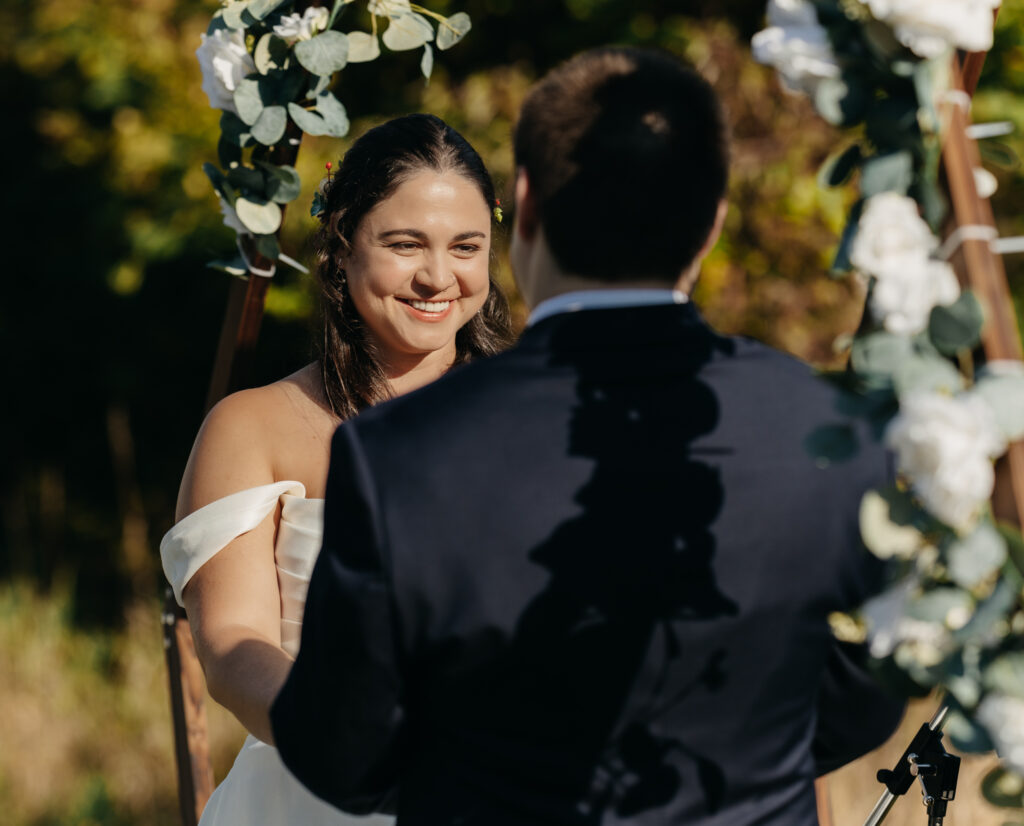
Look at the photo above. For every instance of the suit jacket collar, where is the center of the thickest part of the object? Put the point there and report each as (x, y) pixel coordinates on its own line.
(628, 340)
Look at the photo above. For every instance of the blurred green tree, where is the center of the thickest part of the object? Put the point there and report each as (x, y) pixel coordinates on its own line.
(109, 317)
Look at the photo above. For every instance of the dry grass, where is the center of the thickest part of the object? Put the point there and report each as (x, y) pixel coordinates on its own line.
(85, 734)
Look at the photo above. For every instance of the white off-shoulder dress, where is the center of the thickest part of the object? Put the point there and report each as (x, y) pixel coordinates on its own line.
(259, 790)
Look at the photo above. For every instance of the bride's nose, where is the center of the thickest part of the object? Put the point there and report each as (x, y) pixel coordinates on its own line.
(435, 273)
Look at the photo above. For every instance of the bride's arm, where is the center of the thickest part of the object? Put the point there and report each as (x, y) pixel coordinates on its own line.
(233, 601)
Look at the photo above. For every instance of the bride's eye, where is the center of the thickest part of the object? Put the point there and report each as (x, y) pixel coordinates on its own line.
(404, 246)
(466, 250)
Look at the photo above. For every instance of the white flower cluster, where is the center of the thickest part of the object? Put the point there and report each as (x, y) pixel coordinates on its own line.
(1003, 718)
(894, 245)
(294, 27)
(224, 61)
(796, 45)
(946, 445)
(930, 28)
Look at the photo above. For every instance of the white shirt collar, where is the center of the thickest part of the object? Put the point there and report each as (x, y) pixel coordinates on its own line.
(603, 300)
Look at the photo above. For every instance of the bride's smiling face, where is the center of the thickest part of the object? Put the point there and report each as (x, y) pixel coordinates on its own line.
(418, 266)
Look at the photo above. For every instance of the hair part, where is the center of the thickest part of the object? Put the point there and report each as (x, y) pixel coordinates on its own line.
(373, 168)
(627, 157)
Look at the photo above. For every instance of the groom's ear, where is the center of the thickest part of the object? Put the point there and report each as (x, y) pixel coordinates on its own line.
(526, 219)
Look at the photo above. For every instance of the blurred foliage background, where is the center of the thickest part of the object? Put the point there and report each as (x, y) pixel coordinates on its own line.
(109, 320)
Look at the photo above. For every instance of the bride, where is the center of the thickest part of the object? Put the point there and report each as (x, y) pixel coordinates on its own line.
(404, 249)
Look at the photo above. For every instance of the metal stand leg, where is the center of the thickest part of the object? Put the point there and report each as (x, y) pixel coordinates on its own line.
(926, 760)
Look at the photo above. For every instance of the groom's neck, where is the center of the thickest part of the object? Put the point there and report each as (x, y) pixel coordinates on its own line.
(540, 277)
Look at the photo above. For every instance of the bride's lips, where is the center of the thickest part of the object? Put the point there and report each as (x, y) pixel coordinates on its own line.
(428, 310)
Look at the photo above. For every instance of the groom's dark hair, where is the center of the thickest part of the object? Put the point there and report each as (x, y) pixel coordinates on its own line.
(627, 157)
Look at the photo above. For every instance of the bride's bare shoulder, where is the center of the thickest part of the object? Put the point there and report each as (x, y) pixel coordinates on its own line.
(248, 437)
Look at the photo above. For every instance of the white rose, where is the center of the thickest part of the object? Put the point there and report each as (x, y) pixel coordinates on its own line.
(930, 28)
(889, 226)
(946, 446)
(225, 62)
(231, 218)
(796, 45)
(1003, 718)
(294, 27)
(908, 288)
(893, 244)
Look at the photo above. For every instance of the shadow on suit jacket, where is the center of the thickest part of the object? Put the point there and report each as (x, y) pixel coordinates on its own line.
(587, 582)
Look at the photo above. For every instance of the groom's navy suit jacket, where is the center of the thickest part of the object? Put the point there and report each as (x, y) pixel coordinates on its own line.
(587, 581)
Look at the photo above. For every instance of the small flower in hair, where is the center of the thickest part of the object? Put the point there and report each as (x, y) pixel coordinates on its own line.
(320, 196)
(498, 214)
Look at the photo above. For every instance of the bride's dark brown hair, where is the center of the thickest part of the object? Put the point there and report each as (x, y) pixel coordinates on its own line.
(377, 163)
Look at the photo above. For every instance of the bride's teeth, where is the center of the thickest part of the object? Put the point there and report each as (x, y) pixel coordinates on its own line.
(431, 306)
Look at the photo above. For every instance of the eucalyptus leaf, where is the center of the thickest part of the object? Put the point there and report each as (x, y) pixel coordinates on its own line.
(831, 443)
(333, 113)
(229, 153)
(966, 735)
(283, 183)
(841, 264)
(260, 217)
(840, 101)
(259, 9)
(232, 266)
(324, 54)
(998, 154)
(880, 354)
(990, 616)
(248, 100)
(246, 179)
(957, 326)
(1001, 384)
(319, 86)
(309, 122)
(1014, 545)
(232, 14)
(235, 130)
(427, 61)
(217, 23)
(837, 169)
(409, 31)
(887, 172)
(269, 127)
(1005, 674)
(216, 177)
(452, 30)
(950, 606)
(920, 372)
(880, 39)
(362, 47)
(268, 247)
(883, 534)
(892, 122)
(318, 205)
(976, 557)
(1002, 787)
(271, 53)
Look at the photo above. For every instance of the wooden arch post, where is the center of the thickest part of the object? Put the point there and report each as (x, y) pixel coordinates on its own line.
(231, 370)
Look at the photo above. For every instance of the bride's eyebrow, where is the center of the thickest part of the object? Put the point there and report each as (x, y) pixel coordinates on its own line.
(419, 235)
(415, 233)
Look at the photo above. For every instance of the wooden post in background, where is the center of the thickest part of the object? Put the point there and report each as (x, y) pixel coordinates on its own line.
(236, 347)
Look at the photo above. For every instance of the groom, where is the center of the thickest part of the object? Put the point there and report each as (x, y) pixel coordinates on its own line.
(587, 581)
